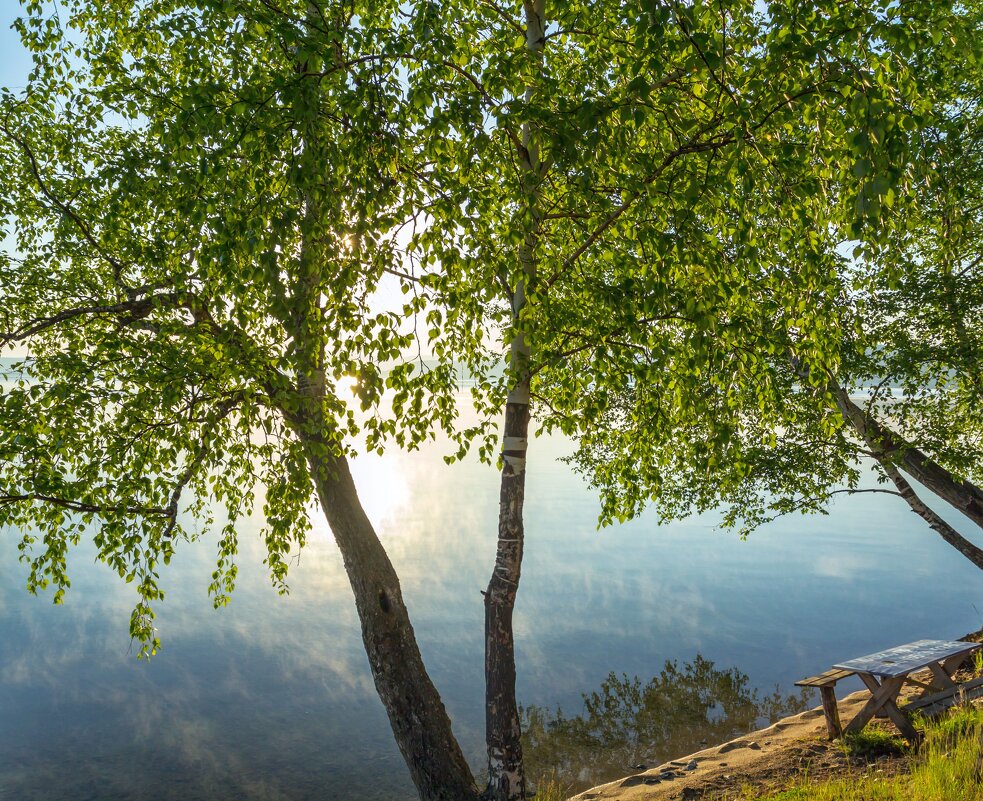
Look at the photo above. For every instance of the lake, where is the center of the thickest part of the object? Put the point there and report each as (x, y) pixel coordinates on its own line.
(271, 698)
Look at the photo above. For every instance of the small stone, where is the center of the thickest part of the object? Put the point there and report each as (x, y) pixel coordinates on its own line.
(754, 746)
(653, 780)
(691, 765)
(639, 766)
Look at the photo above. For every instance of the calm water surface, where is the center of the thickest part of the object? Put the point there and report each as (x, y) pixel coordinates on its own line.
(272, 698)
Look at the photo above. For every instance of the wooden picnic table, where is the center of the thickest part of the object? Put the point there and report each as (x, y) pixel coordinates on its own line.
(886, 672)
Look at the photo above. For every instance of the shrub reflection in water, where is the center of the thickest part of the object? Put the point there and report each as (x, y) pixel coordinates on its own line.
(626, 724)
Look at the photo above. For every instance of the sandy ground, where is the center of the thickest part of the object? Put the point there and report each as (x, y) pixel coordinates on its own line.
(766, 760)
(758, 763)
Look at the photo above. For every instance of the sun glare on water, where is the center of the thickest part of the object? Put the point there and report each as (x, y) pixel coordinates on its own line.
(381, 484)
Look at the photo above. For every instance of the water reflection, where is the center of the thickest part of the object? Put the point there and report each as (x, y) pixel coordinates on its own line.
(626, 725)
(272, 698)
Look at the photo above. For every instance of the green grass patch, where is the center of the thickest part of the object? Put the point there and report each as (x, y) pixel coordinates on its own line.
(872, 743)
(948, 766)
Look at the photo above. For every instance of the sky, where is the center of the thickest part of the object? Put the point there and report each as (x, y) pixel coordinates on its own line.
(15, 62)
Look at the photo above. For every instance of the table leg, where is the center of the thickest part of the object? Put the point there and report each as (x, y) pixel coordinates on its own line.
(881, 694)
(874, 686)
(901, 720)
(953, 663)
(833, 727)
(943, 676)
(872, 683)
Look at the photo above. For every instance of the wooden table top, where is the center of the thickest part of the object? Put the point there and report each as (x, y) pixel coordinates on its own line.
(904, 659)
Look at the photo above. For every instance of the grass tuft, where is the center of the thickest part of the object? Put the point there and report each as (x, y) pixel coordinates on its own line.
(872, 743)
(549, 789)
(948, 766)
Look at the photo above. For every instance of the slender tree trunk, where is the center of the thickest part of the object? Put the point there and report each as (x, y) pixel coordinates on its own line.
(506, 776)
(873, 437)
(963, 495)
(936, 523)
(416, 713)
(503, 734)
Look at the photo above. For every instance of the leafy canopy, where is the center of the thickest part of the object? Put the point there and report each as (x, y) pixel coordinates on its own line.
(204, 202)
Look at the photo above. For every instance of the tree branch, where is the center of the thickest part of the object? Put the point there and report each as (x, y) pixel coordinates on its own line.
(129, 311)
(614, 216)
(78, 506)
(66, 209)
(224, 409)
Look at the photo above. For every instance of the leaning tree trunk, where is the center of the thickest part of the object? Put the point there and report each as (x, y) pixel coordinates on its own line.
(416, 713)
(503, 734)
(935, 522)
(963, 495)
(880, 448)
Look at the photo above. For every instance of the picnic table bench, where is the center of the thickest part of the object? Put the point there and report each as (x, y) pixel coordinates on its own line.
(886, 672)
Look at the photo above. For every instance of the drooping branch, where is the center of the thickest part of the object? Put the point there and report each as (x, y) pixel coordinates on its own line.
(880, 449)
(66, 208)
(82, 507)
(886, 444)
(935, 522)
(891, 449)
(169, 511)
(223, 410)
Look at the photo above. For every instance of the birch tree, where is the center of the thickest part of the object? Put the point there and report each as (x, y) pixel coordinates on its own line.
(918, 303)
(202, 198)
(901, 386)
(621, 193)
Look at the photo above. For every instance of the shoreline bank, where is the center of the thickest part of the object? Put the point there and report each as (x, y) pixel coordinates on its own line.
(768, 758)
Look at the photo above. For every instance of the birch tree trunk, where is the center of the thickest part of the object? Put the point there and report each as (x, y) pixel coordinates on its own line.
(879, 445)
(963, 495)
(419, 721)
(506, 774)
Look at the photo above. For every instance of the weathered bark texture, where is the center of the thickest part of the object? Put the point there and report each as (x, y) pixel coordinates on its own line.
(506, 777)
(506, 774)
(884, 447)
(963, 495)
(416, 713)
